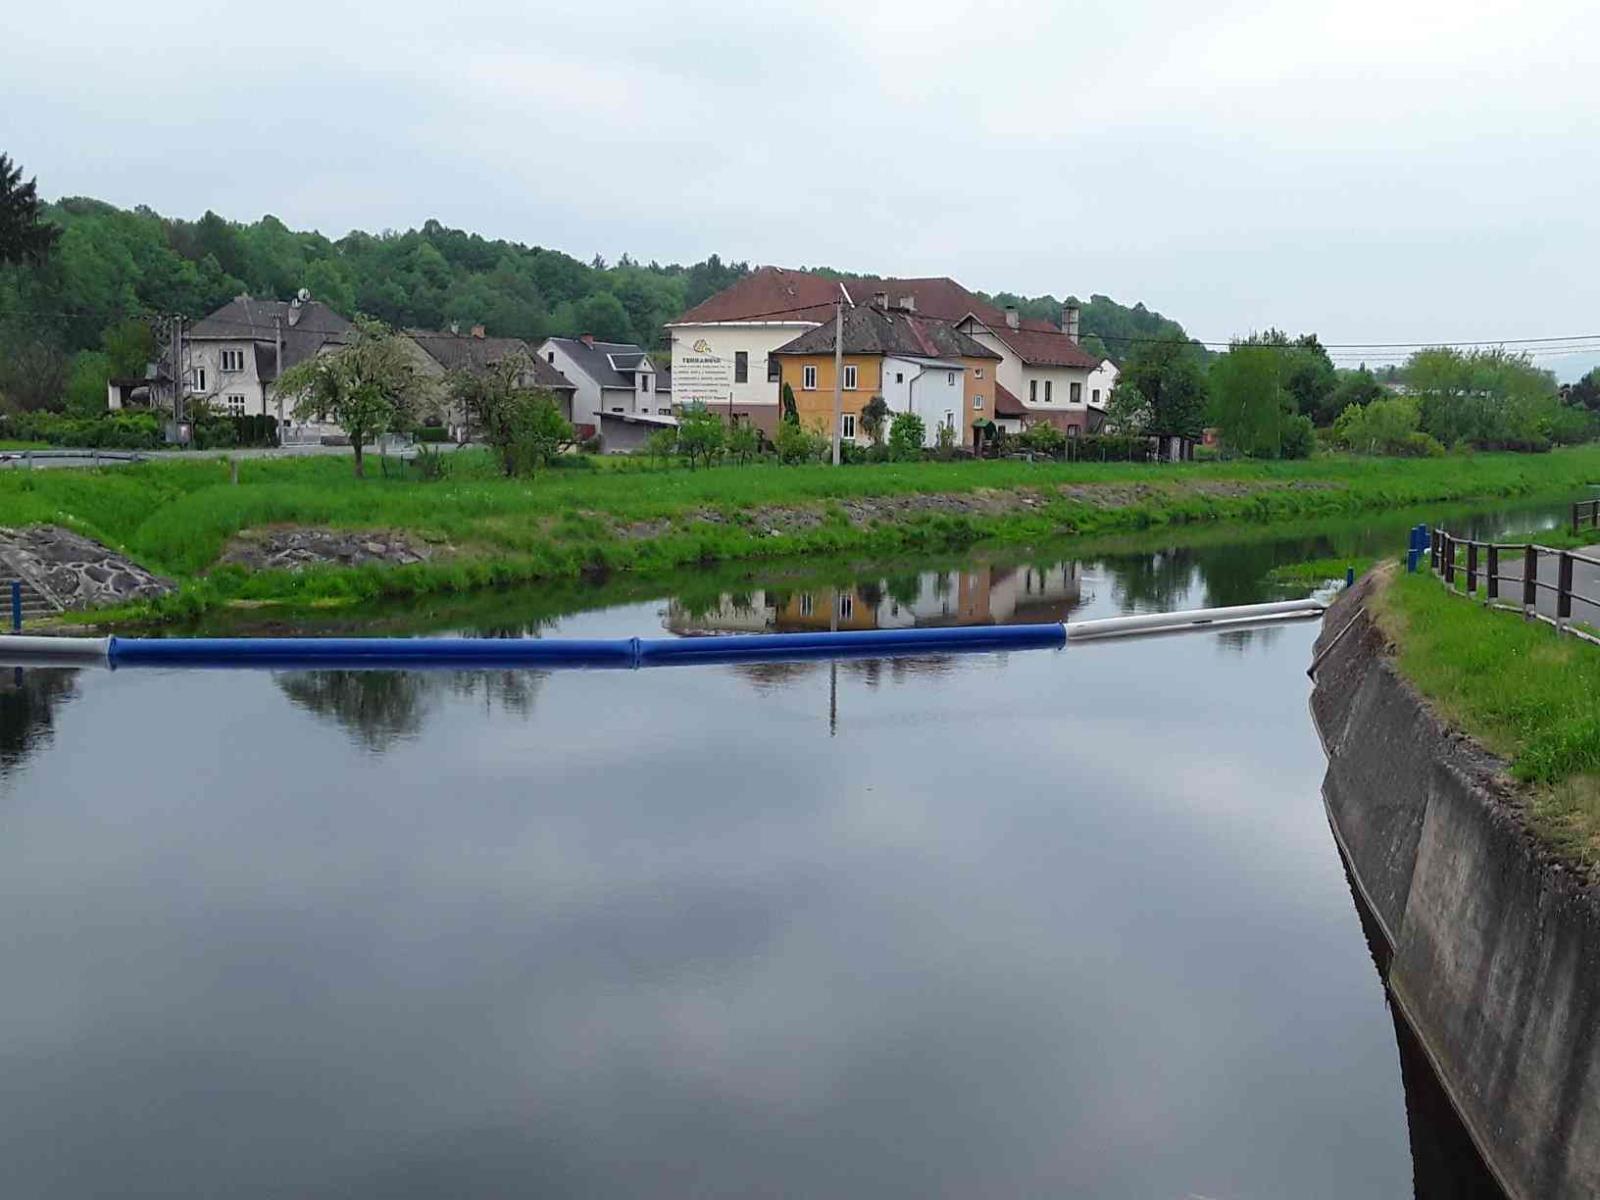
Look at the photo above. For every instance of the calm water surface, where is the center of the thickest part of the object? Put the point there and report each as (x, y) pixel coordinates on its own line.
(1047, 923)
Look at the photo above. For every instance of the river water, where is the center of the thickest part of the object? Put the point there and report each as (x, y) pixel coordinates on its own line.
(1041, 923)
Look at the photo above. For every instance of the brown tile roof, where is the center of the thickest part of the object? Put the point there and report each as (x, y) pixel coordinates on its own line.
(1005, 404)
(463, 352)
(1044, 347)
(872, 330)
(779, 294)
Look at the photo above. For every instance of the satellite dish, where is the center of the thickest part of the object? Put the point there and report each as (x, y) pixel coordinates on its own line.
(304, 295)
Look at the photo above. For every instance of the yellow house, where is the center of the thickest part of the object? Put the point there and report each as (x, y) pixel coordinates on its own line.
(917, 364)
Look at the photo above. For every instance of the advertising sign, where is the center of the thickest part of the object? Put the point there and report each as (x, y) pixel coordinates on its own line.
(701, 376)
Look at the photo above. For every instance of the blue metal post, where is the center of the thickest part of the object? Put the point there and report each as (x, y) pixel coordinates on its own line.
(1412, 556)
(1349, 577)
(16, 606)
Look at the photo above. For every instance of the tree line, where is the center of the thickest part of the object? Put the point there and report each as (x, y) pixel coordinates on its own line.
(1271, 395)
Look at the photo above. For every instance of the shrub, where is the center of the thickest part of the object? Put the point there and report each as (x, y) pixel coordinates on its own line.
(792, 443)
(1043, 438)
(432, 434)
(906, 437)
(1298, 437)
(700, 435)
(1385, 427)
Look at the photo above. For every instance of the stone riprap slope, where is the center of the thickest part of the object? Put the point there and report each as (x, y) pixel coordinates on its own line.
(72, 572)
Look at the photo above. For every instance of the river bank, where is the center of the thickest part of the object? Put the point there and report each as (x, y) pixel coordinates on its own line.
(1484, 901)
(190, 522)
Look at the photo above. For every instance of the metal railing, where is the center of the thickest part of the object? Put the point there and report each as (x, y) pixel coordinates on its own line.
(1481, 570)
(1585, 515)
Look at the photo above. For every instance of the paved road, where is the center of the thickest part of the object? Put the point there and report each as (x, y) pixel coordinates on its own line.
(1585, 582)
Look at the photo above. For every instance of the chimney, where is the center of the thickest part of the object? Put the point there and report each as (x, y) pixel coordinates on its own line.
(909, 303)
(1069, 322)
(881, 299)
(477, 331)
(588, 340)
(1012, 319)
(455, 328)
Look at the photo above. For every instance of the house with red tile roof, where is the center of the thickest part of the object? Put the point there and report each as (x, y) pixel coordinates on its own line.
(723, 348)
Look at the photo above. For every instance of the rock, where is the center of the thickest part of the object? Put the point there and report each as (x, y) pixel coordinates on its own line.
(74, 572)
(293, 549)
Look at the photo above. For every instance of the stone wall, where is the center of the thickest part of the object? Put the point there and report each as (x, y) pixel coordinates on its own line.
(1496, 943)
(73, 572)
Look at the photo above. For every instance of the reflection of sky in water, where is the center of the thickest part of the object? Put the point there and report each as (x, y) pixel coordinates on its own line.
(1062, 923)
(1039, 922)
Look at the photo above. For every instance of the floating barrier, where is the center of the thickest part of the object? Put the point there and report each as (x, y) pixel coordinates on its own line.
(623, 653)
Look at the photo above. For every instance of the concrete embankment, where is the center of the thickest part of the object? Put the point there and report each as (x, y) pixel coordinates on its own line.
(1495, 943)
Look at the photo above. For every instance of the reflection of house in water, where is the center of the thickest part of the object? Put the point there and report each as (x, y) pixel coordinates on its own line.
(983, 595)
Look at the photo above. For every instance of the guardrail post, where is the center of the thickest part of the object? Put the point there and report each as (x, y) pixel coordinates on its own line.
(1530, 580)
(1493, 589)
(1433, 551)
(1472, 568)
(1564, 591)
(16, 606)
(1449, 552)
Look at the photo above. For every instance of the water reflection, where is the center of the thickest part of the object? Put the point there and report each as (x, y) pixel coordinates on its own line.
(379, 709)
(28, 703)
(982, 594)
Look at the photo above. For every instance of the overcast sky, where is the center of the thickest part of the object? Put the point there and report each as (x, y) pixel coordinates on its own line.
(1393, 171)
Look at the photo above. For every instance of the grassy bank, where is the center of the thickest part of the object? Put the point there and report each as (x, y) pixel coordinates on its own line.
(1530, 696)
(177, 517)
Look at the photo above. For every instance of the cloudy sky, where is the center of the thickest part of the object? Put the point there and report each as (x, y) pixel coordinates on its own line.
(1396, 171)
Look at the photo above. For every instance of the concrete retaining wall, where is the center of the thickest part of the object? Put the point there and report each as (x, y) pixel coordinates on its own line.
(1496, 946)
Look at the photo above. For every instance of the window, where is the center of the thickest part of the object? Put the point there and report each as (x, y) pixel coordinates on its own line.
(1076, 393)
(949, 419)
(977, 372)
(644, 383)
(899, 376)
(1095, 396)
(741, 366)
(806, 604)
(774, 369)
(665, 412)
(236, 406)
(199, 379)
(850, 378)
(847, 606)
(1072, 431)
(847, 426)
(808, 379)
(617, 409)
(949, 379)
(1049, 389)
(233, 360)
(550, 355)
(977, 402)
(1033, 391)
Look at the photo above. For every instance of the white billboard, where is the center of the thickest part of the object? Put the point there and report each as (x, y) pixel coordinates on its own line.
(701, 376)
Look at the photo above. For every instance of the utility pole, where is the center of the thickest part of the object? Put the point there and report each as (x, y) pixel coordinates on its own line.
(277, 371)
(177, 377)
(838, 373)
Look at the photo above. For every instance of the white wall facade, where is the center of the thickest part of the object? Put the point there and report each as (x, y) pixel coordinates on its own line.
(934, 389)
(1031, 384)
(755, 339)
(1102, 379)
(234, 392)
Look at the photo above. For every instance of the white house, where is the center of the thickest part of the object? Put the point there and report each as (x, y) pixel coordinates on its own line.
(1044, 369)
(610, 379)
(722, 348)
(231, 359)
(438, 354)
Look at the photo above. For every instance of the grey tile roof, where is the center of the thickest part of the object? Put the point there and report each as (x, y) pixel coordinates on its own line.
(462, 352)
(600, 362)
(306, 328)
(872, 330)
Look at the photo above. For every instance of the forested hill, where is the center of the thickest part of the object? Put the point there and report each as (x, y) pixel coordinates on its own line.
(111, 264)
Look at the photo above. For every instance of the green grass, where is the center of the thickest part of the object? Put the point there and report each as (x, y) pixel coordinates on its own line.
(176, 517)
(1320, 570)
(1526, 693)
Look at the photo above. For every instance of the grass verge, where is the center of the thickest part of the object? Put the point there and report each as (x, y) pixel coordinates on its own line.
(1526, 693)
(176, 517)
